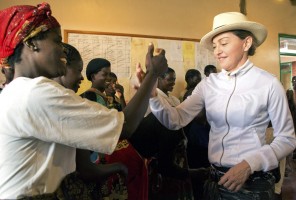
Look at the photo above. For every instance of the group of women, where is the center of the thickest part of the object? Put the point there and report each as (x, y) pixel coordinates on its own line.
(42, 123)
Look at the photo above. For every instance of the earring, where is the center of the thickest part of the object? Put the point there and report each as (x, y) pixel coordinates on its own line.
(31, 46)
(27, 44)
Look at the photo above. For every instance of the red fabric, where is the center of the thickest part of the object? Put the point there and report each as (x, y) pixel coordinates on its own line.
(17, 22)
(137, 179)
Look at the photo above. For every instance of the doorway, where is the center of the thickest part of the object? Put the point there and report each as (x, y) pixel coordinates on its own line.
(287, 53)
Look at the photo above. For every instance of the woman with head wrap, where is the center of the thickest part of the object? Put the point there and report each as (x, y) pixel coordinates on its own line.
(240, 102)
(42, 123)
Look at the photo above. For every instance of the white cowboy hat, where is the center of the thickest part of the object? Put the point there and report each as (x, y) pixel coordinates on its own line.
(233, 21)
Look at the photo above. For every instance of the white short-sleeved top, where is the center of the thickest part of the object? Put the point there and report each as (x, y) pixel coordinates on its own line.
(41, 124)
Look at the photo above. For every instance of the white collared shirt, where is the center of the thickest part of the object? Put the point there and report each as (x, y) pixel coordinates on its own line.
(239, 107)
(41, 124)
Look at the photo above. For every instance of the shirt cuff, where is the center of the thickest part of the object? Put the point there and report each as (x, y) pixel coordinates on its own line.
(262, 160)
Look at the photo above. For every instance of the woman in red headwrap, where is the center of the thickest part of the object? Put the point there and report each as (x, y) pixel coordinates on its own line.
(41, 122)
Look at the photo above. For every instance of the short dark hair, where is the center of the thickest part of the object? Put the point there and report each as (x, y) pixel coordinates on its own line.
(96, 65)
(168, 71)
(71, 52)
(208, 68)
(242, 34)
(191, 73)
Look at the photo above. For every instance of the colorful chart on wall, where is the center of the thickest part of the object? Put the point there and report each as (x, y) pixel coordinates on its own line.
(124, 51)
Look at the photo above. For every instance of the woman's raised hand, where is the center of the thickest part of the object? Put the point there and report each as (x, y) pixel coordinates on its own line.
(156, 64)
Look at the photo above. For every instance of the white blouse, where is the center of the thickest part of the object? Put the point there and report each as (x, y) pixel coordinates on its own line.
(41, 124)
(239, 107)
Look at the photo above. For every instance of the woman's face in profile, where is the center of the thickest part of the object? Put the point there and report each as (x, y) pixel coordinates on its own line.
(51, 59)
(73, 77)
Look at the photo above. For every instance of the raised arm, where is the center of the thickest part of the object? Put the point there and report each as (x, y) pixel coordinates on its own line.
(136, 108)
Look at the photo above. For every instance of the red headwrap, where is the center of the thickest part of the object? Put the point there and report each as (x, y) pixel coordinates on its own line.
(19, 23)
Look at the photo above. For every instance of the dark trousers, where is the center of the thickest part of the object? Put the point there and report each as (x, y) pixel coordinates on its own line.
(259, 186)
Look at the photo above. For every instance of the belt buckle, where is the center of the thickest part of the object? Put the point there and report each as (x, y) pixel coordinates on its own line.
(216, 174)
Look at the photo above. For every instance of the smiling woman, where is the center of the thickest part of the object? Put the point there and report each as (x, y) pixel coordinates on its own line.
(47, 48)
(31, 27)
(73, 77)
(240, 102)
(43, 123)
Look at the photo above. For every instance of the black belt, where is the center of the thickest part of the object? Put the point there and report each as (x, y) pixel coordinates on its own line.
(217, 172)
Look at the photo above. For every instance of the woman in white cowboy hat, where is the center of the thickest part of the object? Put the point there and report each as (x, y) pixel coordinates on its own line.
(240, 102)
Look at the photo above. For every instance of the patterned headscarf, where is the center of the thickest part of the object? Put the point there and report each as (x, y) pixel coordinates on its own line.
(20, 23)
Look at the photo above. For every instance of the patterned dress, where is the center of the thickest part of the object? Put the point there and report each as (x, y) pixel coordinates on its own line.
(115, 187)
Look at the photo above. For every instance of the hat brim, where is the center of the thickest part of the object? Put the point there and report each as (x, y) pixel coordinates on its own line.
(258, 30)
